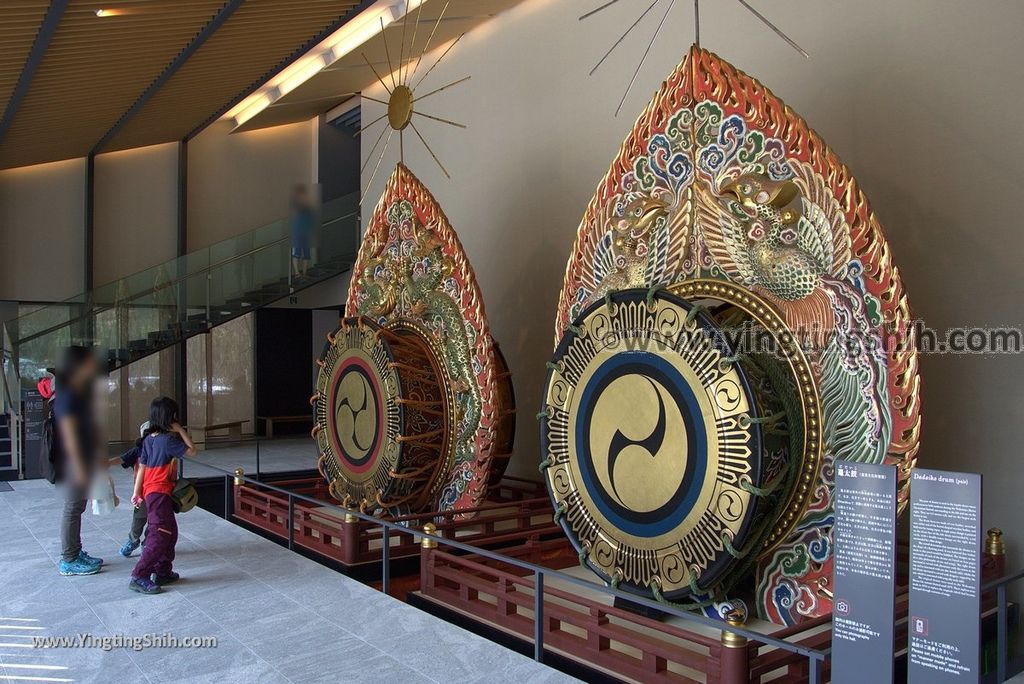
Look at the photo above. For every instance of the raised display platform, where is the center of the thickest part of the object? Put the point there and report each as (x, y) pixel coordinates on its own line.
(518, 511)
(583, 628)
(584, 633)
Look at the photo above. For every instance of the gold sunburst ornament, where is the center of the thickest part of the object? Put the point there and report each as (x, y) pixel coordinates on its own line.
(402, 102)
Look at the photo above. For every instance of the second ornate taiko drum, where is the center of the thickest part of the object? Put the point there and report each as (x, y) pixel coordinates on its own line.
(412, 407)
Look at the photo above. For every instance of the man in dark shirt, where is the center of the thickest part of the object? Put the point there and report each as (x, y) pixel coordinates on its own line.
(76, 426)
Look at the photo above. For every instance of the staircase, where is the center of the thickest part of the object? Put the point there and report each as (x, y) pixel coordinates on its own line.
(149, 311)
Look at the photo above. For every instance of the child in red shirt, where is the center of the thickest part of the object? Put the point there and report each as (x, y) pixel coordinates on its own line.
(161, 448)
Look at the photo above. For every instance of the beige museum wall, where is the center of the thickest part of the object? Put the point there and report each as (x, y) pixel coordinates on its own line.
(136, 210)
(918, 97)
(242, 181)
(236, 183)
(42, 214)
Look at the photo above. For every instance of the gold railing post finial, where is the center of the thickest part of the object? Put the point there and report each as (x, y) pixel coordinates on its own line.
(426, 542)
(239, 477)
(994, 544)
(734, 658)
(734, 618)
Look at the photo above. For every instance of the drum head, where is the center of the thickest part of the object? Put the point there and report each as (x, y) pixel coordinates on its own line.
(358, 416)
(652, 444)
(379, 421)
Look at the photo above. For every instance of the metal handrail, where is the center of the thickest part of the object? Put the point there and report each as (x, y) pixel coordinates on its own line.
(156, 288)
(815, 657)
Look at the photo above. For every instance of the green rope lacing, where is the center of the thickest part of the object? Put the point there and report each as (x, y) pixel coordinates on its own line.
(583, 557)
(695, 310)
(545, 464)
(575, 329)
(559, 512)
(651, 293)
(608, 300)
(771, 419)
(694, 587)
(543, 414)
(616, 579)
(695, 605)
(748, 559)
(551, 366)
(763, 491)
(732, 550)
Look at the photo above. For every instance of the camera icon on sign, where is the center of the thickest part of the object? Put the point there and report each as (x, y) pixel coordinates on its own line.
(842, 606)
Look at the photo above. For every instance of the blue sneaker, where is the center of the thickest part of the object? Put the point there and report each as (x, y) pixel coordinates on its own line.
(144, 585)
(77, 567)
(86, 558)
(129, 548)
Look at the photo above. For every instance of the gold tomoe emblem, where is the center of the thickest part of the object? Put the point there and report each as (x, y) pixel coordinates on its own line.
(639, 442)
(356, 414)
(651, 444)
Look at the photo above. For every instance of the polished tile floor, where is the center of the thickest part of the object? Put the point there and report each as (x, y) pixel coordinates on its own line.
(277, 617)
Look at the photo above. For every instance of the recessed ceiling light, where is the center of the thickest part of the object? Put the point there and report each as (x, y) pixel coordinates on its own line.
(354, 33)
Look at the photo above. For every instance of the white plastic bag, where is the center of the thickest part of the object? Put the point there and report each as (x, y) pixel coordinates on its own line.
(101, 498)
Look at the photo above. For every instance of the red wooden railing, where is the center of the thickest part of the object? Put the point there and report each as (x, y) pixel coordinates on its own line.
(511, 519)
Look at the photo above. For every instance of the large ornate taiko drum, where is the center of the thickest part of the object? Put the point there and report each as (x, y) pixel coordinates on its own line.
(384, 418)
(724, 198)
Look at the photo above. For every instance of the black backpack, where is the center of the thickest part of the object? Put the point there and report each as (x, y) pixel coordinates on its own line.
(50, 455)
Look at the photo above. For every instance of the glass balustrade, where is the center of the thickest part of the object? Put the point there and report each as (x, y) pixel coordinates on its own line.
(147, 311)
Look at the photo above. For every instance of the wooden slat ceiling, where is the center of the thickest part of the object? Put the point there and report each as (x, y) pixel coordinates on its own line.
(350, 73)
(21, 20)
(92, 72)
(153, 71)
(95, 68)
(259, 36)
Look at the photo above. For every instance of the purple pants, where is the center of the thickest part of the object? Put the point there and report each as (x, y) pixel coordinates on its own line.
(161, 536)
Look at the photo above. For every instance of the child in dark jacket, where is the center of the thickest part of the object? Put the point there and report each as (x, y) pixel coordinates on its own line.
(130, 459)
(165, 442)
